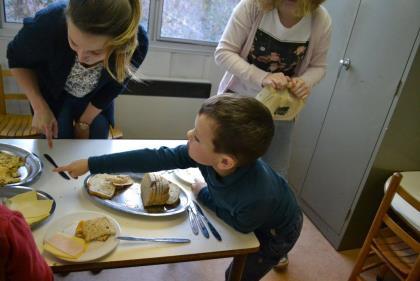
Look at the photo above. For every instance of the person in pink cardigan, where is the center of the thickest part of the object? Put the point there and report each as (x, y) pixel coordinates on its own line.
(278, 43)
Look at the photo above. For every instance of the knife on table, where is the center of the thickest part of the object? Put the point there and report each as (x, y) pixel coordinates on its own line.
(49, 158)
(193, 221)
(200, 221)
(211, 226)
(163, 240)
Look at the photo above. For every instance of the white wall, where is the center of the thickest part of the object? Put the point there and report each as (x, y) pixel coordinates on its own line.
(145, 117)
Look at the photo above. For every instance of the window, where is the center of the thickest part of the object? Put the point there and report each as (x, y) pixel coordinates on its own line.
(186, 21)
(202, 20)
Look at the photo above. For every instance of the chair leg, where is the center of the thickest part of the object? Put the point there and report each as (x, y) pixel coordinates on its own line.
(415, 273)
(360, 261)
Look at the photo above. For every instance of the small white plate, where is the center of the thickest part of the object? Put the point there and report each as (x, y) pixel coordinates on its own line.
(95, 249)
(188, 175)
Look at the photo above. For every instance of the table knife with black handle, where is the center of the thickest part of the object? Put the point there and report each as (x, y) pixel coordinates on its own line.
(49, 158)
(211, 226)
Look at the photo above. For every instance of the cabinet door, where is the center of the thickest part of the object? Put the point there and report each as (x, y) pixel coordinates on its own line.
(379, 46)
(309, 123)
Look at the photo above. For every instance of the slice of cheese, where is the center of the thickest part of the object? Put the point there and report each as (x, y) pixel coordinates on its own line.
(35, 209)
(33, 220)
(63, 245)
(51, 249)
(23, 198)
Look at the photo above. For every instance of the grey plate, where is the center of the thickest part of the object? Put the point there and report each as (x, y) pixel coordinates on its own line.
(128, 200)
(10, 191)
(32, 168)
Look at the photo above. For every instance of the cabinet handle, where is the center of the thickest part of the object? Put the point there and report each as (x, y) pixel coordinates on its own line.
(346, 63)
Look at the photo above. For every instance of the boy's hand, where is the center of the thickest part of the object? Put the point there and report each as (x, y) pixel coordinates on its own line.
(197, 186)
(75, 169)
(299, 88)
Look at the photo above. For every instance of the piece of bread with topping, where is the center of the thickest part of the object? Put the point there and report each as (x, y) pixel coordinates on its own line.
(99, 229)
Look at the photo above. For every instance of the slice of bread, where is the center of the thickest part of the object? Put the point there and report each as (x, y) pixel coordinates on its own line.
(99, 185)
(174, 192)
(95, 229)
(121, 181)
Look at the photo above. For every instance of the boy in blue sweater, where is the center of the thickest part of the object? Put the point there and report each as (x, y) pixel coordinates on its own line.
(230, 134)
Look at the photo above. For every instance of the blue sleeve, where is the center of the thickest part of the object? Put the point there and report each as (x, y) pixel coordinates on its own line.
(244, 218)
(142, 160)
(33, 44)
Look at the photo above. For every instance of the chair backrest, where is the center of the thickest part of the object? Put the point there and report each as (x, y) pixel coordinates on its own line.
(395, 243)
(409, 237)
(396, 230)
(10, 96)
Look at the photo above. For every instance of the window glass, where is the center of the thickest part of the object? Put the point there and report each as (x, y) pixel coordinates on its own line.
(16, 10)
(197, 20)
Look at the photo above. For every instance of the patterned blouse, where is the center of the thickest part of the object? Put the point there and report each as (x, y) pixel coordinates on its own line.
(82, 80)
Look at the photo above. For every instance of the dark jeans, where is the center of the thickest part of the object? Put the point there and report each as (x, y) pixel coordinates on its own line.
(274, 244)
(70, 108)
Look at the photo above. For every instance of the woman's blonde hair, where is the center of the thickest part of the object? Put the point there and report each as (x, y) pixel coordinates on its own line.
(305, 7)
(118, 19)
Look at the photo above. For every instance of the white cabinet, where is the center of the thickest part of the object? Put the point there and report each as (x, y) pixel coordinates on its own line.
(340, 132)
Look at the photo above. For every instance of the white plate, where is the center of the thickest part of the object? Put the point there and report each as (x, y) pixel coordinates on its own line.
(95, 249)
(188, 175)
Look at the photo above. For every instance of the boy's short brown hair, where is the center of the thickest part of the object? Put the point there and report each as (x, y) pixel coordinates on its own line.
(243, 126)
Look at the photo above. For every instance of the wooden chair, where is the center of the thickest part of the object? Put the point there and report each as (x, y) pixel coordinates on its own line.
(389, 244)
(13, 125)
(20, 126)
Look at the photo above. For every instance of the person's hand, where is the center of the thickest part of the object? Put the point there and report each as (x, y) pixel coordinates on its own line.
(44, 122)
(278, 80)
(75, 169)
(299, 88)
(197, 186)
(81, 132)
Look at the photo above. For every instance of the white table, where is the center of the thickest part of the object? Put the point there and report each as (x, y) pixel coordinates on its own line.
(411, 184)
(70, 197)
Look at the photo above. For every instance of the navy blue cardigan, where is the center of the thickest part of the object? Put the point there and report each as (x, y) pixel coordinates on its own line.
(42, 45)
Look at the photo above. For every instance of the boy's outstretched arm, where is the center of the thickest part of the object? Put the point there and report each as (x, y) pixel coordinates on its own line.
(75, 169)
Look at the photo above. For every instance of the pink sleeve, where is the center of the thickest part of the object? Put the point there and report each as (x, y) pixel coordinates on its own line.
(235, 35)
(317, 66)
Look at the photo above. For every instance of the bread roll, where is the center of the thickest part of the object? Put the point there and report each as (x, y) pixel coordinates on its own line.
(154, 190)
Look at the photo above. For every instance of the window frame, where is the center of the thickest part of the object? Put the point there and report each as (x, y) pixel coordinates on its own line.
(156, 41)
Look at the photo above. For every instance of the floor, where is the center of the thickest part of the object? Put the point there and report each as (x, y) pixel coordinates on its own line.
(312, 259)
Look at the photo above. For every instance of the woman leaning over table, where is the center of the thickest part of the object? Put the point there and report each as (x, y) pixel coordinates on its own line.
(72, 60)
(278, 43)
